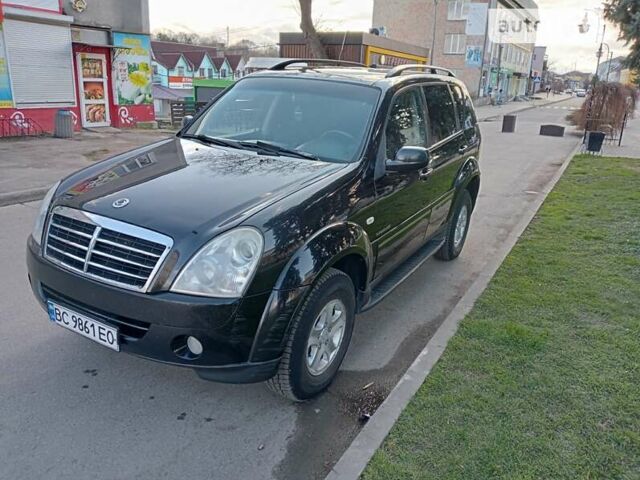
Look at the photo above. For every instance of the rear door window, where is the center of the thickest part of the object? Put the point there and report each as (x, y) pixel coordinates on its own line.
(406, 125)
(465, 108)
(442, 114)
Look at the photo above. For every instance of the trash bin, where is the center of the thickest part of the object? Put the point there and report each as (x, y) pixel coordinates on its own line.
(64, 124)
(595, 141)
(509, 124)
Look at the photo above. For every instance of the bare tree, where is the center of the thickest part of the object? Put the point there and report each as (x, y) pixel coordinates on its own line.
(309, 30)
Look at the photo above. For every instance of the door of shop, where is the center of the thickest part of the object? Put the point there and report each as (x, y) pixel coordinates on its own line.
(93, 89)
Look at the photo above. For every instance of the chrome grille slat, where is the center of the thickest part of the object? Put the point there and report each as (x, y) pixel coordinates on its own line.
(82, 234)
(119, 259)
(119, 272)
(108, 242)
(66, 254)
(73, 244)
(115, 253)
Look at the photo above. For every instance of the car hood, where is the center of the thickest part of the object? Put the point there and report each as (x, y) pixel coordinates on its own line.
(180, 186)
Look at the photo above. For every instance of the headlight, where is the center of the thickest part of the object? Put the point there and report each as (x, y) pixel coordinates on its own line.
(223, 267)
(42, 214)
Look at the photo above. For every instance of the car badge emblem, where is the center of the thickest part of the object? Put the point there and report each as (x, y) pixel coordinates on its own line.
(120, 203)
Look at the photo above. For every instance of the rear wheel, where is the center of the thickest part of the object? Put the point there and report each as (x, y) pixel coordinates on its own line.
(457, 229)
(318, 340)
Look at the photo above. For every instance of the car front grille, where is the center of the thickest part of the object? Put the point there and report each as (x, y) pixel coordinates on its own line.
(105, 249)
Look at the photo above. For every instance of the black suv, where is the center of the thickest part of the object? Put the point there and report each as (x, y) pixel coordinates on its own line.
(244, 246)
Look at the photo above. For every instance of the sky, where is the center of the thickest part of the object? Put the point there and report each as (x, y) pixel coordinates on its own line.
(261, 20)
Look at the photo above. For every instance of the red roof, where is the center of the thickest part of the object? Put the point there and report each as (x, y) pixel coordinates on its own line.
(174, 47)
(168, 60)
(234, 61)
(195, 58)
(218, 62)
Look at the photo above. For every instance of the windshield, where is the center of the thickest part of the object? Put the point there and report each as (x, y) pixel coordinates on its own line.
(327, 120)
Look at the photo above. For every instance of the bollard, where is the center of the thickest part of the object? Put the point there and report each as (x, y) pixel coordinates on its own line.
(63, 124)
(509, 124)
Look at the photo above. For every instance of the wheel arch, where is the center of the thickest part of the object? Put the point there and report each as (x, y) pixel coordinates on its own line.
(344, 246)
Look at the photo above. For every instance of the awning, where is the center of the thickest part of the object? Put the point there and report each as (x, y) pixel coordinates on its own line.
(177, 94)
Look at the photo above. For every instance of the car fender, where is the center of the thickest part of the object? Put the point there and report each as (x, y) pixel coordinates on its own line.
(467, 172)
(324, 249)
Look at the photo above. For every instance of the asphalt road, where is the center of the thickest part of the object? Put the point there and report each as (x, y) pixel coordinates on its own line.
(73, 409)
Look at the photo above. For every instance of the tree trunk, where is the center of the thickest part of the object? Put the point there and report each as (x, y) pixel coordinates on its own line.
(309, 30)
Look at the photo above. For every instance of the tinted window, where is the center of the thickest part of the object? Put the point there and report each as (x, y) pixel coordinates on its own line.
(328, 119)
(442, 114)
(465, 108)
(406, 125)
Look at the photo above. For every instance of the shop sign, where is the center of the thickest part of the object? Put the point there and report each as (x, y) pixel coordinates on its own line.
(180, 82)
(6, 96)
(131, 68)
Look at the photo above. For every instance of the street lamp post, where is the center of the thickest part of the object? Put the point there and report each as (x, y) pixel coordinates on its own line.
(433, 36)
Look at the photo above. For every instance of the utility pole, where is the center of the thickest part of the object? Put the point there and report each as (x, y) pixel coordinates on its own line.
(433, 37)
(604, 31)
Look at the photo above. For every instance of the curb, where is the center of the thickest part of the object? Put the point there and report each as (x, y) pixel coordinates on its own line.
(357, 456)
(23, 196)
(523, 109)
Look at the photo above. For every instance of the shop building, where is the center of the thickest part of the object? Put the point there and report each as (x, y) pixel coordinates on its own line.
(89, 57)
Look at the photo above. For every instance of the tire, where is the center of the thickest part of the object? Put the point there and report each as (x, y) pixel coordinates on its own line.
(451, 249)
(296, 379)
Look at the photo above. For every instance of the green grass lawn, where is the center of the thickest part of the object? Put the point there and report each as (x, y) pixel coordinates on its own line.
(542, 381)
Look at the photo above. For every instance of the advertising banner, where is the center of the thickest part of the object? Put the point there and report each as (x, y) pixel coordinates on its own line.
(132, 69)
(6, 96)
(474, 56)
(477, 19)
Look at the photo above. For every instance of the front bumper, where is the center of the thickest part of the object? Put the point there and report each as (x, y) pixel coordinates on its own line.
(152, 325)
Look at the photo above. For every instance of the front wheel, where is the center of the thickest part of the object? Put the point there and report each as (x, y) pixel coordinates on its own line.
(457, 229)
(318, 340)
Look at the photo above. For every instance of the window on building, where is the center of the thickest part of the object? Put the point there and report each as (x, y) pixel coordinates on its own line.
(209, 72)
(223, 73)
(41, 71)
(406, 126)
(181, 71)
(458, 10)
(155, 69)
(442, 113)
(455, 44)
(201, 73)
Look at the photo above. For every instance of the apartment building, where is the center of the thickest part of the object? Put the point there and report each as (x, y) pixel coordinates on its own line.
(458, 31)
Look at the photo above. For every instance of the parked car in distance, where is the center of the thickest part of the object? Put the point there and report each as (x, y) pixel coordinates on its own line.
(569, 91)
(244, 246)
(581, 92)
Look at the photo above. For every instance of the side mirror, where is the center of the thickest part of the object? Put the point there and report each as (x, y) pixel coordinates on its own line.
(186, 120)
(409, 159)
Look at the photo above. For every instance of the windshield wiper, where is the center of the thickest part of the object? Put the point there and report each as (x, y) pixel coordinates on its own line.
(221, 142)
(277, 149)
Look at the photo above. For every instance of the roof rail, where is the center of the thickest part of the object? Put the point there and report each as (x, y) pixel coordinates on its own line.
(320, 61)
(397, 71)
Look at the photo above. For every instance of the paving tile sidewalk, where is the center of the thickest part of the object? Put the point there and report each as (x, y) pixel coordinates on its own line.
(30, 165)
(490, 111)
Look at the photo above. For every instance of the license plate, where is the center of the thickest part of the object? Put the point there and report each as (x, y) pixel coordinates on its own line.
(87, 327)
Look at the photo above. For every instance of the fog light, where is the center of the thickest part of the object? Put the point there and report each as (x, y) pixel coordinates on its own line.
(194, 345)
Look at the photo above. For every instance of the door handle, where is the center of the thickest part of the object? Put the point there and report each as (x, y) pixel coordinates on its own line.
(426, 173)
(463, 149)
